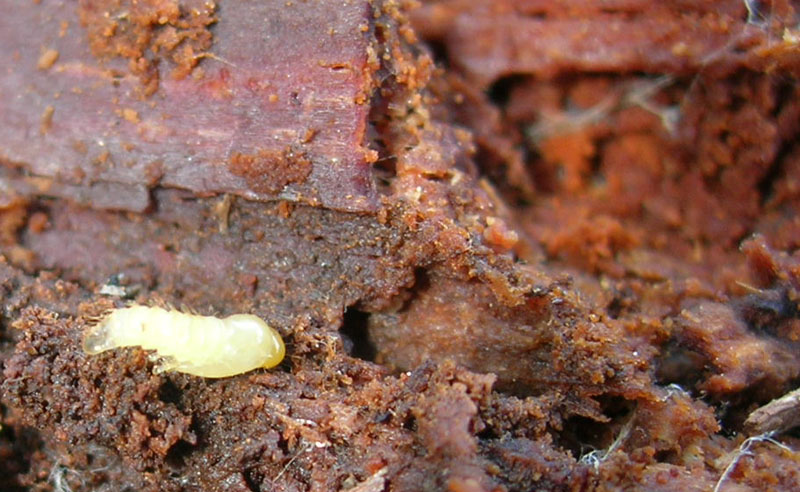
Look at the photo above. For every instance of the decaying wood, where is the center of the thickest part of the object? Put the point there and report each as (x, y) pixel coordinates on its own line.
(277, 109)
(778, 415)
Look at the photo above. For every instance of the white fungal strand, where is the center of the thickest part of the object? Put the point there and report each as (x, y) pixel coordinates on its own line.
(201, 345)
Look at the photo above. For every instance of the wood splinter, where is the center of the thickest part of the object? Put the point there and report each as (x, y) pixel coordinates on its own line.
(776, 416)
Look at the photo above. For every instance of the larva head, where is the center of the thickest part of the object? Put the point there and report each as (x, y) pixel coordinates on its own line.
(280, 350)
(251, 331)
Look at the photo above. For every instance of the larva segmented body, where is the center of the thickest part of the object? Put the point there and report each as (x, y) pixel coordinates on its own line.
(201, 345)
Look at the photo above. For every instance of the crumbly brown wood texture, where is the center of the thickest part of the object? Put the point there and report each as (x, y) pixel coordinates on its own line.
(277, 109)
(494, 269)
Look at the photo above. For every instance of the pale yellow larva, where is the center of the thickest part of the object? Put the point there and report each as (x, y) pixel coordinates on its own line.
(201, 345)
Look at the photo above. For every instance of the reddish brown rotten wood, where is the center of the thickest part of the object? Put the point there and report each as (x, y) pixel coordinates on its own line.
(490, 39)
(276, 73)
